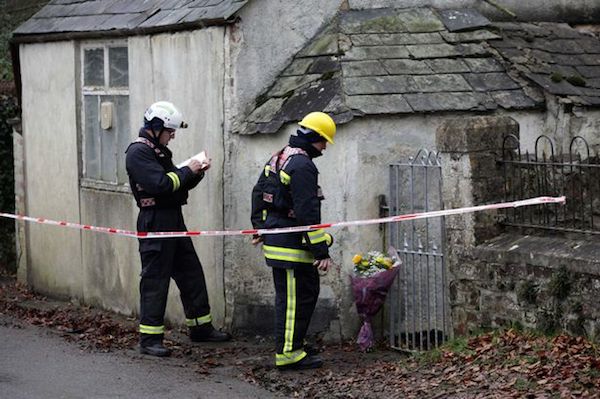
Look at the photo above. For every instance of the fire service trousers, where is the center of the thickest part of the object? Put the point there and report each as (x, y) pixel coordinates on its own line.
(296, 294)
(163, 259)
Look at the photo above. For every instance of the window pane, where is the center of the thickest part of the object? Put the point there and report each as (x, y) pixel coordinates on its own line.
(91, 137)
(93, 67)
(124, 135)
(108, 150)
(119, 69)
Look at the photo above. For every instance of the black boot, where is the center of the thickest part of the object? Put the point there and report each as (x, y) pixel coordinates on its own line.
(307, 362)
(153, 345)
(155, 349)
(207, 333)
(311, 349)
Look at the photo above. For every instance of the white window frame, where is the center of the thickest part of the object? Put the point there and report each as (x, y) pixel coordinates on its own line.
(105, 90)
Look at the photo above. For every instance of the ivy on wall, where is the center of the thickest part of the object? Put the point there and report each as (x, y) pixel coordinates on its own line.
(12, 14)
(6, 73)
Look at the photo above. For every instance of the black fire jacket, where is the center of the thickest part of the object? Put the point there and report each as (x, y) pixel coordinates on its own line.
(155, 181)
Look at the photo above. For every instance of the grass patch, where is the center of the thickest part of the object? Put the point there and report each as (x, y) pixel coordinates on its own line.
(429, 357)
(457, 346)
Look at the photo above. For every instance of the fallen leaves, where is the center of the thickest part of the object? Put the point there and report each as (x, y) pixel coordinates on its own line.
(501, 364)
(93, 329)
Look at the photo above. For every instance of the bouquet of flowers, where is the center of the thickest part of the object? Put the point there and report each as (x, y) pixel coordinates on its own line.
(373, 276)
(371, 263)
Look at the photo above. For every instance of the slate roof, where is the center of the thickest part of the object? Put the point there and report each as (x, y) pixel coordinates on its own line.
(61, 16)
(561, 60)
(402, 61)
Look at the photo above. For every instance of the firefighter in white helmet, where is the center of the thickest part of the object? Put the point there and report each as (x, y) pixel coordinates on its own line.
(160, 190)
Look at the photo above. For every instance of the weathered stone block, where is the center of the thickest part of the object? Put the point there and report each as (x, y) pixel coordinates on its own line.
(406, 67)
(441, 101)
(473, 36)
(484, 65)
(380, 85)
(379, 104)
(326, 64)
(441, 83)
(421, 20)
(486, 227)
(513, 99)
(298, 67)
(396, 39)
(372, 21)
(433, 50)
(267, 111)
(363, 68)
(491, 81)
(448, 65)
(315, 96)
(463, 19)
(472, 49)
(287, 84)
(376, 52)
(589, 71)
(484, 165)
(477, 134)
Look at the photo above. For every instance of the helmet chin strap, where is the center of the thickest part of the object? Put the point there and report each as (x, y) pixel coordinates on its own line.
(157, 133)
(157, 128)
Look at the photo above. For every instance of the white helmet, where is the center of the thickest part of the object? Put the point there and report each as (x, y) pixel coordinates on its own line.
(167, 113)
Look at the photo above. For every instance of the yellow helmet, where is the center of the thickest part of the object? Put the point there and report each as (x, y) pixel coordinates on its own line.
(321, 123)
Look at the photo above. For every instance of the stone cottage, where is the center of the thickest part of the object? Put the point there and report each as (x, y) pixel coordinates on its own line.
(396, 78)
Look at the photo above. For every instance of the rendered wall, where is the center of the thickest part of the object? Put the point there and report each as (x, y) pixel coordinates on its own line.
(51, 167)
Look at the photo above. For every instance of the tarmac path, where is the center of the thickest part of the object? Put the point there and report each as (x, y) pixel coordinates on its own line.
(37, 363)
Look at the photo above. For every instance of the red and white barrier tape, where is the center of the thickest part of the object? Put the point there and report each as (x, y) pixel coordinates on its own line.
(390, 219)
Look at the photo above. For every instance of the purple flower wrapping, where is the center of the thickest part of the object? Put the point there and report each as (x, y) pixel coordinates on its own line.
(369, 297)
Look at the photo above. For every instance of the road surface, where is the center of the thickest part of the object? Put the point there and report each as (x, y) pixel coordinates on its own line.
(38, 363)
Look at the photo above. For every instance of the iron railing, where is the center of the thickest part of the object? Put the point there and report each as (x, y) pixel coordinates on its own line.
(574, 174)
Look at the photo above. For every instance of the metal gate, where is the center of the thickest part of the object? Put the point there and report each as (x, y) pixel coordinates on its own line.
(417, 304)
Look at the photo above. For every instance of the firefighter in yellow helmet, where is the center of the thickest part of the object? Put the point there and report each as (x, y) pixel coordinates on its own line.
(288, 194)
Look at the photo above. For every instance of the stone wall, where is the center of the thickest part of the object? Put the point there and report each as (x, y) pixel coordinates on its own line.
(503, 278)
(546, 283)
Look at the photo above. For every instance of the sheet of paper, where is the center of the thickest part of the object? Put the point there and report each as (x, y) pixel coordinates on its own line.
(200, 157)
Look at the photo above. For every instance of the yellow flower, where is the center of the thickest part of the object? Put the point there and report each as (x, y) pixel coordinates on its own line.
(387, 262)
(356, 259)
